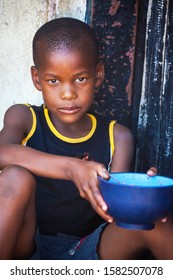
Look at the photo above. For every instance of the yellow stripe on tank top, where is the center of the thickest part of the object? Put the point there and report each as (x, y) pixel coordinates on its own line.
(111, 137)
(67, 139)
(34, 123)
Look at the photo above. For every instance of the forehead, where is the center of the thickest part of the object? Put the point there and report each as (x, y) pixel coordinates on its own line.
(61, 58)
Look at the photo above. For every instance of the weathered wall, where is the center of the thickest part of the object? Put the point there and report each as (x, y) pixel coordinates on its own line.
(138, 84)
(18, 21)
(115, 25)
(154, 104)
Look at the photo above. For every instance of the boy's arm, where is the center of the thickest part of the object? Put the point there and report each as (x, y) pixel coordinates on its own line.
(124, 149)
(17, 124)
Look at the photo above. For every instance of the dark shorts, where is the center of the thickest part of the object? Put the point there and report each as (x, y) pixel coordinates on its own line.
(65, 247)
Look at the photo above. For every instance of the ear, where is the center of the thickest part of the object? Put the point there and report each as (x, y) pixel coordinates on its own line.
(99, 74)
(35, 78)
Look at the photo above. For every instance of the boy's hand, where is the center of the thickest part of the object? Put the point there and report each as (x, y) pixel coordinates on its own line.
(85, 176)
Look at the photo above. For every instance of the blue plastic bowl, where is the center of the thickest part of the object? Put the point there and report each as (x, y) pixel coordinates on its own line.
(136, 200)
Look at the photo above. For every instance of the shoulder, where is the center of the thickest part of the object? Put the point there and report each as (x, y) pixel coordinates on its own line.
(18, 113)
(122, 133)
(17, 123)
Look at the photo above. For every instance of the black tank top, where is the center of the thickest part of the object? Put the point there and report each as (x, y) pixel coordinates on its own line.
(59, 207)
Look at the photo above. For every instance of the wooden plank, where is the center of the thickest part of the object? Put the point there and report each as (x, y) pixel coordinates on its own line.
(155, 119)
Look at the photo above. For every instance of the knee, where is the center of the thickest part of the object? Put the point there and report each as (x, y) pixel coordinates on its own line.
(17, 180)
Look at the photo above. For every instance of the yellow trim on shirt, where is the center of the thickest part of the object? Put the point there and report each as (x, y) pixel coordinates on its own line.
(67, 139)
(34, 124)
(111, 137)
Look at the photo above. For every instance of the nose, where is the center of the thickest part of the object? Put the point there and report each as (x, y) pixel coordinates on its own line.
(68, 93)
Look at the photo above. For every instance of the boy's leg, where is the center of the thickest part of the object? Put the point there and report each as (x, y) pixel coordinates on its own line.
(117, 243)
(17, 213)
(160, 240)
(121, 244)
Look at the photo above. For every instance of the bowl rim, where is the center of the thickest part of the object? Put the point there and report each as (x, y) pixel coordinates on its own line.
(140, 186)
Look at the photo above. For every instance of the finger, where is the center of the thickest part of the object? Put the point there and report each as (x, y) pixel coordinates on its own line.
(164, 220)
(92, 194)
(104, 215)
(99, 204)
(99, 209)
(152, 171)
(97, 197)
(102, 172)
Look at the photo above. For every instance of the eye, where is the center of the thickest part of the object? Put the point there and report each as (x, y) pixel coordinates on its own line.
(81, 80)
(53, 81)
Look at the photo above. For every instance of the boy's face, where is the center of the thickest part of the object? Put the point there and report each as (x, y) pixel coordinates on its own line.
(67, 81)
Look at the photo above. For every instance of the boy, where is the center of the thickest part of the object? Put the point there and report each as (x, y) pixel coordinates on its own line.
(64, 150)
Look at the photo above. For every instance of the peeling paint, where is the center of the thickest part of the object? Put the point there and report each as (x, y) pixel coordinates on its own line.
(114, 7)
(155, 119)
(115, 26)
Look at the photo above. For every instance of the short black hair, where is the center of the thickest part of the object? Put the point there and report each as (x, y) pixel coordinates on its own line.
(65, 34)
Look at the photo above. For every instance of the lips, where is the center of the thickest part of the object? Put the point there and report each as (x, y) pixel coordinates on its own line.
(69, 110)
